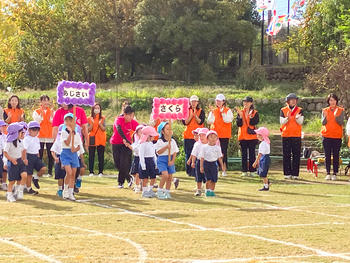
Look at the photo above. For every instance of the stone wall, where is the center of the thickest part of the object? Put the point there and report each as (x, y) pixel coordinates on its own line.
(286, 73)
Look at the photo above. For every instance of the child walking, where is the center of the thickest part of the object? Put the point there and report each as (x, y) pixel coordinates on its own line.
(71, 142)
(135, 147)
(17, 161)
(60, 173)
(3, 173)
(148, 161)
(263, 160)
(31, 144)
(209, 155)
(189, 161)
(166, 167)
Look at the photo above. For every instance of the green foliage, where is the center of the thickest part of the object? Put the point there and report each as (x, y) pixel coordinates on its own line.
(251, 78)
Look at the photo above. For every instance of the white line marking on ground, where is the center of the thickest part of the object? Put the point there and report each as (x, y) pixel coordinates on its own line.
(29, 251)
(289, 225)
(139, 248)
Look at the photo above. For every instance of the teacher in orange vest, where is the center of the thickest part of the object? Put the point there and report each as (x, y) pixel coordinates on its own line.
(220, 119)
(247, 119)
(195, 120)
(13, 112)
(332, 134)
(44, 116)
(291, 120)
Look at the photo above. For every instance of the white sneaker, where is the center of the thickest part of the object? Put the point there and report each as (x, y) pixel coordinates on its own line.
(223, 174)
(71, 197)
(295, 177)
(4, 187)
(253, 174)
(328, 177)
(333, 177)
(19, 194)
(91, 174)
(244, 174)
(137, 189)
(287, 177)
(10, 197)
(100, 174)
(65, 194)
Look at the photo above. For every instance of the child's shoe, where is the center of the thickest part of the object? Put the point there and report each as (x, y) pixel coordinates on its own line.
(333, 177)
(19, 194)
(208, 194)
(76, 190)
(78, 183)
(59, 193)
(152, 194)
(32, 192)
(36, 183)
(146, 194)
(198, 193)
(244, 174)
(264, 189)
(65, 194)
(167, 195)
(71, 197)
(10, 197)
(4, 187)
(176, 182)
(328, 177)
(161, 194)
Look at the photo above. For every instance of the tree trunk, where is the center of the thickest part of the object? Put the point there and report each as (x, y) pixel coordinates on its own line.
(117, 64)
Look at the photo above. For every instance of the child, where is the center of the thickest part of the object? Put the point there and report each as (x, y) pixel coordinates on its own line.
(3, 173)
(209, 155)
(71, 142)
(189, 161)
(263, 160)
(60, 173)
(195, 161)
(31, 144)
(17, 161)
(166, 167)
(148, 161)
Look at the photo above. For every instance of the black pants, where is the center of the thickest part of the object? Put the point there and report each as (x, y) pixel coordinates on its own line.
(248, 149)
(332, 146)
(224, 145)
(188, 146)
(49, 156)
(122, 162)
(291, 155)
(100, 156)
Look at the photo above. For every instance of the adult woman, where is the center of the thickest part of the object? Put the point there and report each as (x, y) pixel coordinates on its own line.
(332, 134)
(246, 121)
(13, 112)
(44, 116)
(220, 120)
(121, 138)
(195, 120)
(97, 138)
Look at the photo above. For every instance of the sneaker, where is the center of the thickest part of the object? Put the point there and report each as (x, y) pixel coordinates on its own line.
(32, 192)
(244, 174)
(168, 195)
(176, 182)
(146, 194)
(152, 194)
(213, 194)
(120, 186)
(224, 174)
(65, 194)
(76, 190)
(333, 177)
(59, 193)
(137, 189)
(198, 193)
(91, 174)
(10, 198)
(78, 183)
(19, 195)
(161, 195)
(132, 178)
(264, 189)
(4, 187)
(100, 174)
(71, 197)
(295, 177)
(328, 177)
(208, 194)
(253, 174)
(287, 177)
(36, 183)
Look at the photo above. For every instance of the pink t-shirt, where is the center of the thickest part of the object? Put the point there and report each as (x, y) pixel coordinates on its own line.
(58, 119)
(127, 128)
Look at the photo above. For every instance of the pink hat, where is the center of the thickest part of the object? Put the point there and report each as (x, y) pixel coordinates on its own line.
(212, 132)
(264, 132)
(203, 131)
(147, 131)
(196, 131)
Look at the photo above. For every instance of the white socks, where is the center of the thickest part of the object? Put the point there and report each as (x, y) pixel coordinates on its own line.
(35, 176)
(80, 177)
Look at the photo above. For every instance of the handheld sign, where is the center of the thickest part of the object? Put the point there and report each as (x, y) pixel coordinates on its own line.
(76, 93)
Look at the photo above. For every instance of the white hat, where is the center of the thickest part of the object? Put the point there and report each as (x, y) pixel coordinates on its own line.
(194, 98)
(220, 97)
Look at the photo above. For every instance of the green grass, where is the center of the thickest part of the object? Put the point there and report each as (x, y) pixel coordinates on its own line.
(286, 224)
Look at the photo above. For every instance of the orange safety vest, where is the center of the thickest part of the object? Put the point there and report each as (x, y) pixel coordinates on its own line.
(191, 126)
(291, 128)
(16, 114)
(46, 123)
(222, 128)
(100, 135)
(156, 128)
(243, 130)
(332, 129)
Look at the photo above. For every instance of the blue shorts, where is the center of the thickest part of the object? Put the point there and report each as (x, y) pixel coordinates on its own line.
(68, 158)
(135, 166)
(150, 171)
(162, 163)
(59, 172)
(211, 171)
(264, 164)
(15, 171)
(200, 178)
(34, 163)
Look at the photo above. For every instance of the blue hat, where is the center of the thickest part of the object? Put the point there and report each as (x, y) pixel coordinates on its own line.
(33, 124)
(12, 131)
(161, 127)
(2, 123)
(68, 115)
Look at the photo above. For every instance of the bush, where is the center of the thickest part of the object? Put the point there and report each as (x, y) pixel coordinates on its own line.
(251, 78)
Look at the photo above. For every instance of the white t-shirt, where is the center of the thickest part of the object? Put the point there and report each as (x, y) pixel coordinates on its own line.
(14, 152)
(64, 136)
(160, 144)
(57, 146)
(2, 142)
(135, 148)
(210, 153)
(264, 148)
(197, 147)
(31, 144)
(147, 150)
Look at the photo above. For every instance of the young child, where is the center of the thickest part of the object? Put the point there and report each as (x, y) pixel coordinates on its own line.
(263, 160)
(136, 162)
(195, 161)
(17, 161)
(3, 173)
(71, 142)
(189, 161)
(31, 144)
(60, 173)
(148, 161)
(209, 155)
(166, 167)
